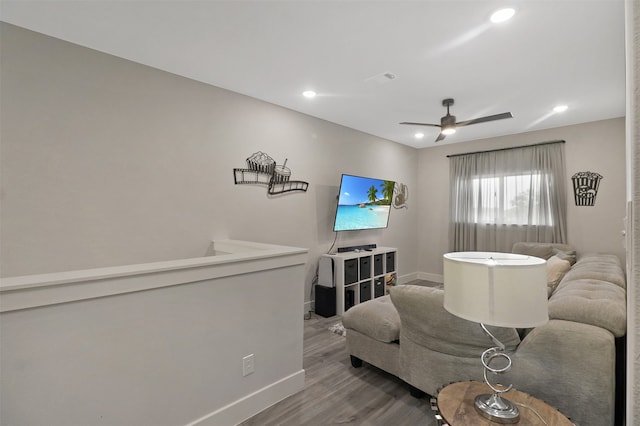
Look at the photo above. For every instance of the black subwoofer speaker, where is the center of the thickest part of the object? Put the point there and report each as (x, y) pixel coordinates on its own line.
(325, 301)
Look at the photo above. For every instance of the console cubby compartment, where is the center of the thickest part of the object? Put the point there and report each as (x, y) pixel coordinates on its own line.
(391, 280)
(390, 262)
(350, 271)
(365, 291)
(349, 298)
(365, 267)
(378, 287)
(378, 265)
(358, 276)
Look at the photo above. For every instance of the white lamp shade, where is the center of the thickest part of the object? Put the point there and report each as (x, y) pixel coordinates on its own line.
(500, 289)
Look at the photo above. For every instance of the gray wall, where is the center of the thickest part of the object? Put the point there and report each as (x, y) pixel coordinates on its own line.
(108, 162)
(162, 356)
(597, 147)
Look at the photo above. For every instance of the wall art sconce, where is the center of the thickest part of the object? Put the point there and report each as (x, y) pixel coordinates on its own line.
(400, 196)
(585, 187)
(262, 170)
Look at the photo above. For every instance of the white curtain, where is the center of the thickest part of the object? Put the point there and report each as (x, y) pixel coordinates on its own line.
(504, 196)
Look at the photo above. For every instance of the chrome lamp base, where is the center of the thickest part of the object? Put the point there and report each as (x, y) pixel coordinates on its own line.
(494, 407)
(497, 409)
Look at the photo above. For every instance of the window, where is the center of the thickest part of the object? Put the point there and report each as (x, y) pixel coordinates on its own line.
(509, 200)
(502, 197)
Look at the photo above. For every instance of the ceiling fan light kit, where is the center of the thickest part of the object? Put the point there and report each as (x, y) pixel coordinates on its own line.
(448, 124)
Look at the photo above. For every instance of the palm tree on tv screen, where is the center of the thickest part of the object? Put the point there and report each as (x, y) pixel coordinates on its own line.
(387, 190)
(372, 194)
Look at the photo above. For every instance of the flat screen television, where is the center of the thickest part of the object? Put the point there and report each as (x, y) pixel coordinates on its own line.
(363, 203)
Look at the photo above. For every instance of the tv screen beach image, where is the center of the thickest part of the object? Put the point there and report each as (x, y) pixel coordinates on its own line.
(363, 203)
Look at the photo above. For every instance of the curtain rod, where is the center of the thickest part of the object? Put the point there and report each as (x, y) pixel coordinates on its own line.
(506, 149)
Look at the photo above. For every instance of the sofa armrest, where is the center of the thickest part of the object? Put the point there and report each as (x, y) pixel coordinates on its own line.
(571, 366)
(569, 344)
(376, 318)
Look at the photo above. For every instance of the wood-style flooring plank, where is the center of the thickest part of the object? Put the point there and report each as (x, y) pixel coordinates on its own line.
(335, 393)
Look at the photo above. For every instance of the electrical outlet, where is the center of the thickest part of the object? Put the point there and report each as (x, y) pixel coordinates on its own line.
(247, 365)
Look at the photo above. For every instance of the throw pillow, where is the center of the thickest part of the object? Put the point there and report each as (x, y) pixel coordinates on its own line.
(566, 255)
(556, 269)
(541, 250)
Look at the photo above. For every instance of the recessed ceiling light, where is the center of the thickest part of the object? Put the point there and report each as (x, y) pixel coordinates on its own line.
(419, 135)
(309, 94)
(502, 15)
(560, 108)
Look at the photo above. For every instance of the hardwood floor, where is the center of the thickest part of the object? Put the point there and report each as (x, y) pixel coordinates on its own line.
(337, 394)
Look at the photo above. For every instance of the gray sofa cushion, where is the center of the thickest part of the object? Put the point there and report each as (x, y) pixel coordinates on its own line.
(591, 301)
(543, 251)
(425, 322)
(375, 318)
(604, 267)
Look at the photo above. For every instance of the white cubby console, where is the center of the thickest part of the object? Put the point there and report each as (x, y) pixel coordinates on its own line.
(358, 276)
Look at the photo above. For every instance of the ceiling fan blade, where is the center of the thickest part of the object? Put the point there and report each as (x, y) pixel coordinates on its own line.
(440, 137)
(485, 119)
(420, 124)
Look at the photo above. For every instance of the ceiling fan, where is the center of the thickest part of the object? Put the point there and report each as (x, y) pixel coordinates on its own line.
(448, 123)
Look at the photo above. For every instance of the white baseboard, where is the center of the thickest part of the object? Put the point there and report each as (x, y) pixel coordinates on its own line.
(420, 276)
(437, 278)
(404, 279)
(250, 405)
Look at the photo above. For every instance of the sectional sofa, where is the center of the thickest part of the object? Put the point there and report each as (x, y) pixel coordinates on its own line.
(569, 362)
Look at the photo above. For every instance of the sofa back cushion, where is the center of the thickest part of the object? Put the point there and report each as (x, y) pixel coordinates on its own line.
(604, 267)
(425, 322)
(593, 292)
(591, 302)
(545, 250)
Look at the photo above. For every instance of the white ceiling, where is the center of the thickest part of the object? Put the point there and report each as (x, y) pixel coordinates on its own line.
(552, 52)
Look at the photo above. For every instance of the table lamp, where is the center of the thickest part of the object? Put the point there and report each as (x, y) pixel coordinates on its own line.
(497, 289)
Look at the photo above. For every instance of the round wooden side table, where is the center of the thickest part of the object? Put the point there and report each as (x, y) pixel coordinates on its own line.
(456, 406)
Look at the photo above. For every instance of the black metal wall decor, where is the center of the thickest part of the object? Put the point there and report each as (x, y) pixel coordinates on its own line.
(585, 187)
(262, 170)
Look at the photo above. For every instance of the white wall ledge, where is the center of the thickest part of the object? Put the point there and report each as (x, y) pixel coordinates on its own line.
(239, 257)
